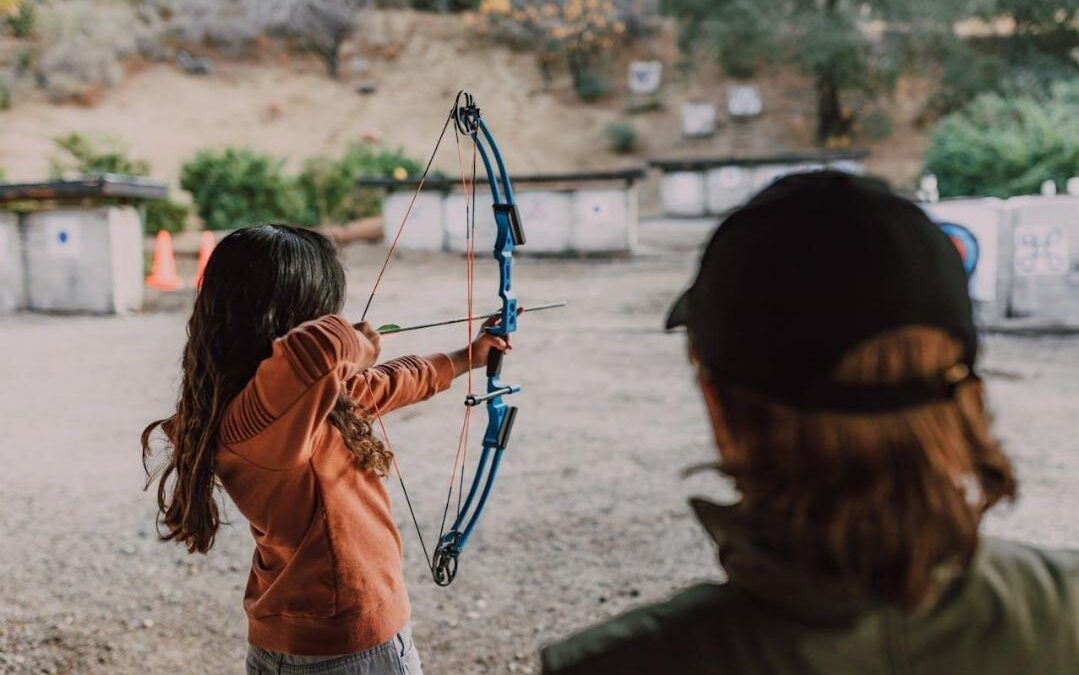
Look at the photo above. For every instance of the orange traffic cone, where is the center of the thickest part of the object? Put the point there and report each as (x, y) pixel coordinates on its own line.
(163, 274)
(206, 247)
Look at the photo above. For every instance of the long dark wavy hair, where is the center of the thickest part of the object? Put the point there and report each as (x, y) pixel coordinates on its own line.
(259, 283)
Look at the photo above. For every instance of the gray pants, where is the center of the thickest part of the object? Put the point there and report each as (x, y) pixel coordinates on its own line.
(398, 656)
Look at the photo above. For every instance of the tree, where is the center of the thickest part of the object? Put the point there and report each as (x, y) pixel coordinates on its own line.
(582, 34)
(1000, 147)
(1035, 15)
(324, 26)
(848, 46)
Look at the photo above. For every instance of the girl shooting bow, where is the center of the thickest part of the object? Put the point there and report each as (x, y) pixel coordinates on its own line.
(275, 406)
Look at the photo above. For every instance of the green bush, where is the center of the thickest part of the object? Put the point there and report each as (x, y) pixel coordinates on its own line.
(237, 187)
(329, 187)
(5, 94)
(1000, 147)
(743, 38)
(590, 84)
(22, 24)
(164, 214)
(622, 137)
(79, 154)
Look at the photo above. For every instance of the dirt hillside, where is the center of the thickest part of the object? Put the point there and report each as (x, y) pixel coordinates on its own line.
(282, 102)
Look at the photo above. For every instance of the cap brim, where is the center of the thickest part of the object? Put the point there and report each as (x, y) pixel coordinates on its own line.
(679, 314)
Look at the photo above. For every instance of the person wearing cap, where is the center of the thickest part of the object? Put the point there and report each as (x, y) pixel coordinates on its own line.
(831, 332)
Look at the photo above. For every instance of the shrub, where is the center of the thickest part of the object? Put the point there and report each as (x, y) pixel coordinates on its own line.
(78, 154)
(622, 137)
(5, 94)
(1001, 147)
(232, 27)
(589, 84)
(577, 32)
(742, 37)
(164, 214)
(22, 22)
(329, 187)
(324, 26)
(236, 187)
(83, 44)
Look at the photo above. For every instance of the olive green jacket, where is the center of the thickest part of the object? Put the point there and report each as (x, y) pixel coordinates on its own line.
(1015, 611)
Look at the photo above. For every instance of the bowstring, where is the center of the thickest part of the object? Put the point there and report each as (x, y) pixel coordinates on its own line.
(460, 460)
(408, 212)
(461, 457)
(363, 317)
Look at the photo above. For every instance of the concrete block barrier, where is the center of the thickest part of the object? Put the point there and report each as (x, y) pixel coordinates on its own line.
(604, 221)
(727, 188)
(1044, 258)
(975, 227)
(455, 223)
(548, 219)
(12, 279)
(425, 230)
(683, 194)
(84, 260)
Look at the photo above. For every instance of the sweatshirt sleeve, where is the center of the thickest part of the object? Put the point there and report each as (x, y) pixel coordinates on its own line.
(402, 382)
(272, 421)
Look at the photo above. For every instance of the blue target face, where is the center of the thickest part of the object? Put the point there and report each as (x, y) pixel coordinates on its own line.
(63, 237)
(966, 243)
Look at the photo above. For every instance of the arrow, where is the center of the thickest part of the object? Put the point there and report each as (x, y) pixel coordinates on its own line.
(390, 328)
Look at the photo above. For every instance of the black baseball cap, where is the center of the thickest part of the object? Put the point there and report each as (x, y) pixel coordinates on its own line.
(808, 269)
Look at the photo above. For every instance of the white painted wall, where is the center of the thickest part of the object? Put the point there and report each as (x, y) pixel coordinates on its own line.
(424, 230)
(84, 260)
(12, 278)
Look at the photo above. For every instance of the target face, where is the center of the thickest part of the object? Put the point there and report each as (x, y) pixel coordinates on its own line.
(966, 243)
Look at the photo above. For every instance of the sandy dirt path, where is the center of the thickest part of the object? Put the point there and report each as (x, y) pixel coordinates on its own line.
(588, 517)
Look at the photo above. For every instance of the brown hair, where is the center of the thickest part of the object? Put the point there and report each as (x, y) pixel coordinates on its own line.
(259, 283)
(878, 499)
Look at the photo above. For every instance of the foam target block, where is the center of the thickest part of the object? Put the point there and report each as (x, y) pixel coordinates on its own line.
(455, 219)
(424, 231)
(547, 219)
(683, 194)
(604, 221)
(727, 187)
(12, 277)
(84, 260)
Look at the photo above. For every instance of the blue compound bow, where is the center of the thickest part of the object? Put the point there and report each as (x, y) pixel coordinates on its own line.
(467, 121)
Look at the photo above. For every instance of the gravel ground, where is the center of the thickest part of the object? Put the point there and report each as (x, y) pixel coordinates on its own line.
(588, 516)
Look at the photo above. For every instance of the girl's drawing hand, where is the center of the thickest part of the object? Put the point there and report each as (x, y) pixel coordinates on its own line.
(371, 335)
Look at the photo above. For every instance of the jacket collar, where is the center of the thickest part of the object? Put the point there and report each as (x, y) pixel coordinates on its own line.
(756, 556)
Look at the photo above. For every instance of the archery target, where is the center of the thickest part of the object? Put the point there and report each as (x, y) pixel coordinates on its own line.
(973, 225)
(966, 243)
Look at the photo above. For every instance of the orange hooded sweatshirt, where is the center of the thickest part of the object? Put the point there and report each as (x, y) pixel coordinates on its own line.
(326, 577)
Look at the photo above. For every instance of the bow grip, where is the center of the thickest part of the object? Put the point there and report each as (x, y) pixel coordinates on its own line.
(494, 362)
